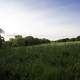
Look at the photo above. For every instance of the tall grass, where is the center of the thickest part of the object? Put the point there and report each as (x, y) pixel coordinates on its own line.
(54, 61)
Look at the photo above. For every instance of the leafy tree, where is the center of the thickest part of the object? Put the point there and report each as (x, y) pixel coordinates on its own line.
(73, 39)
(37, 41)
(29, 40)
(18, 36)
(11, 42)
(18, 41)
(63, 40)
(1, 38)
(78, 38)
(45, 40)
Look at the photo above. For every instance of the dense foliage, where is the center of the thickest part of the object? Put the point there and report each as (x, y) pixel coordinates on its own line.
(20, 41)
(30, 40)
(1, 41)
(53, 61)
(69, 39)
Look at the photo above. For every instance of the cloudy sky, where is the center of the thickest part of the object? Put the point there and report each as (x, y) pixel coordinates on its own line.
(52, 19)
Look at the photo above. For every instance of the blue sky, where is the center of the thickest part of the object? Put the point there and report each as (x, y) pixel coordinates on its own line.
(52, 19)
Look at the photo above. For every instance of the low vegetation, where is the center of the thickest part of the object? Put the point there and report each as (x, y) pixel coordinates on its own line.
(52, 61)
(29, 58)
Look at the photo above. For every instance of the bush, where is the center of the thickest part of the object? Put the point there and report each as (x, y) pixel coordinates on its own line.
(26, 41)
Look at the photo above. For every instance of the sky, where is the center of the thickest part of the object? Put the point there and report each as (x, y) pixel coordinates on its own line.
(52, 19)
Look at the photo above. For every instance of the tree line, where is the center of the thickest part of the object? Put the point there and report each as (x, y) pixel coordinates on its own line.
(22, 41)
(29, 40)
(69, 39)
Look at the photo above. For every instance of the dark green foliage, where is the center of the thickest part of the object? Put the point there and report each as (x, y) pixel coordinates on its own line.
(26, 41)
(1, 41)
(63, 40)
(53, 61)
(29, 40)
(78, 38)
(69, 39)
(73, 39)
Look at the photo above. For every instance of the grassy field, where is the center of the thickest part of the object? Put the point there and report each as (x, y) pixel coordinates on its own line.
(54, 61)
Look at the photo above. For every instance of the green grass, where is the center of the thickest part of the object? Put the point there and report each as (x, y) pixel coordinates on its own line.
(54, 61)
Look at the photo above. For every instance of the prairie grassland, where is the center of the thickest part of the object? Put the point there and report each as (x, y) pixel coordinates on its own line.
(53, 61)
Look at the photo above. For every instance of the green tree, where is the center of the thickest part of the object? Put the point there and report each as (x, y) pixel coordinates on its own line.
(1, 41)
(29, 40)
(1, 38)
(19, 40)
(78, 38)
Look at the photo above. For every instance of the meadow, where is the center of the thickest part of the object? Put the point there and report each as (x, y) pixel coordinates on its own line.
(52, 61)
